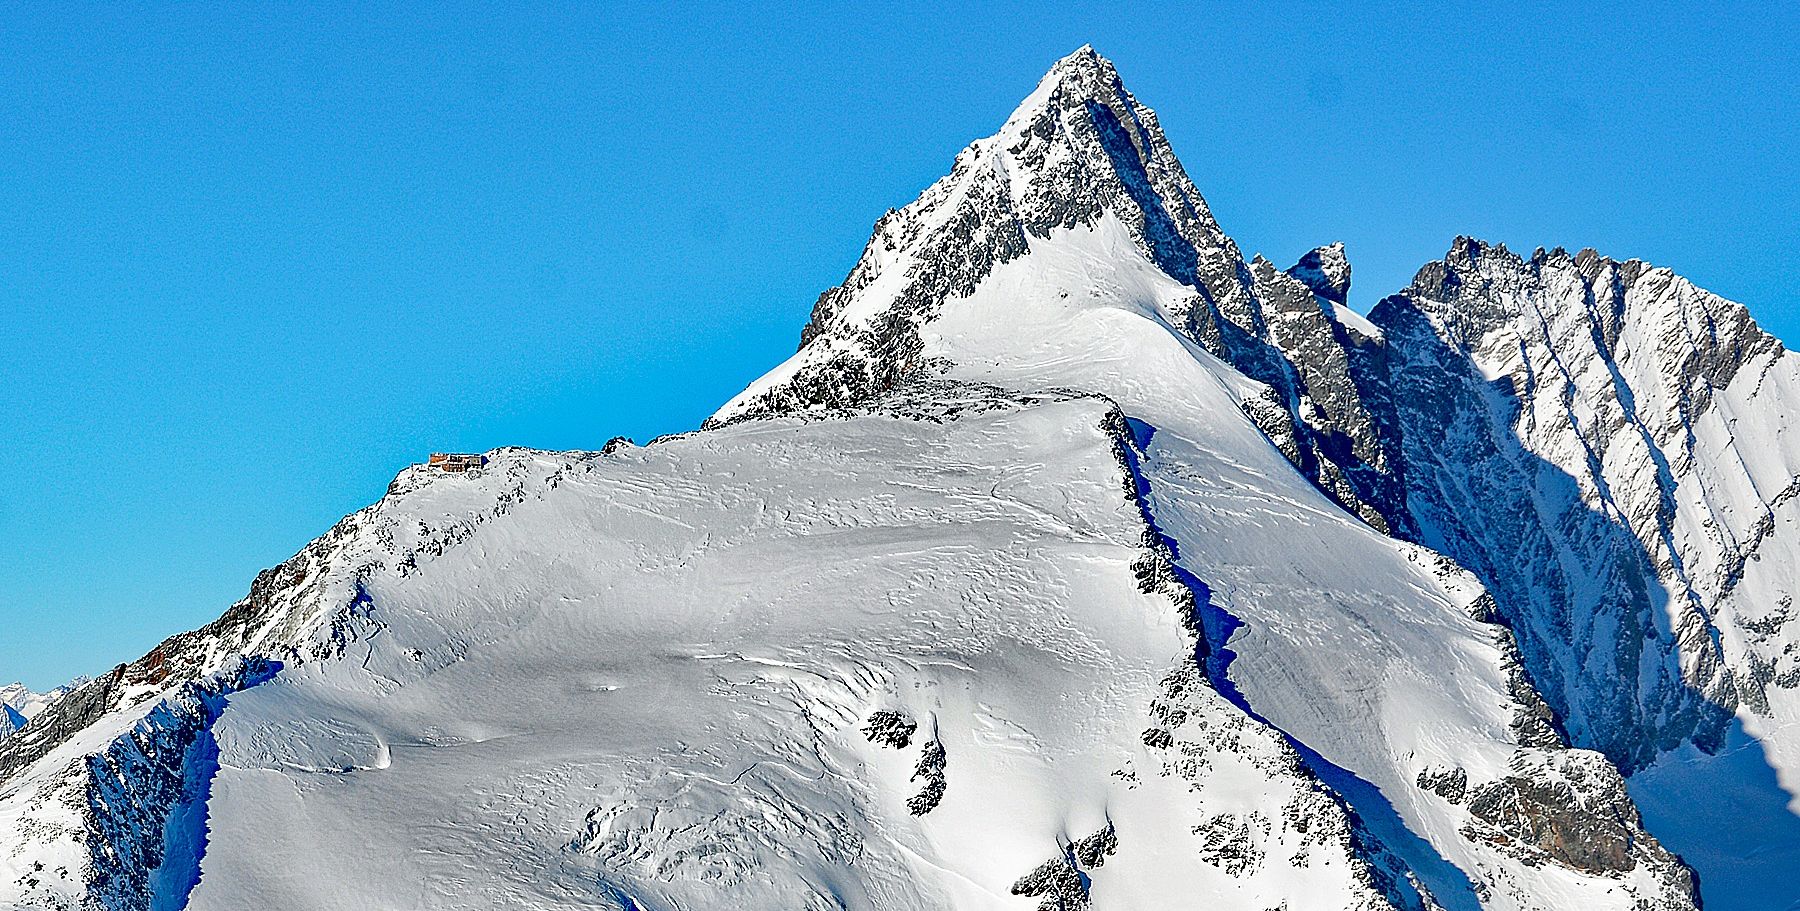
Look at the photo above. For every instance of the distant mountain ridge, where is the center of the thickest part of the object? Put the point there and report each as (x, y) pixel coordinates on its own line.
(21, 704)
(1073, 561)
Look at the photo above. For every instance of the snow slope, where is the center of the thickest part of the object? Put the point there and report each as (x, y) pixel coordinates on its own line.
(663, 706)
(641, 680)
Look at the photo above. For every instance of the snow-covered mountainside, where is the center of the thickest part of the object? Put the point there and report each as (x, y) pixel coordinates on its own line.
(26, 703)
(19, 705)
(1074, 561)
(1608, 447)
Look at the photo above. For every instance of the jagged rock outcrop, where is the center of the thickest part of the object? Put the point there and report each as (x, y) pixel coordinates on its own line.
(279, 616)
(128, 817)
(1325, 270)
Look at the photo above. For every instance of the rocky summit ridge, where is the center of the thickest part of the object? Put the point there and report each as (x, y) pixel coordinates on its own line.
(1073, 561)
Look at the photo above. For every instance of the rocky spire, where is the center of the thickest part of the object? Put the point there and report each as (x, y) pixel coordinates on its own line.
(1326, 271)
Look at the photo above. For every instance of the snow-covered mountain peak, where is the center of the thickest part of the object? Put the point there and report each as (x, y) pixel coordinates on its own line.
(1079, 158)
(1080, 76)
(1074, 561)
(18, 704)
(1077, 203)
(1077, 80)
(27, 703)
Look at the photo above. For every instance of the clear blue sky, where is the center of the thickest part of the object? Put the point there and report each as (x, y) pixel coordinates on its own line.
(254, 260)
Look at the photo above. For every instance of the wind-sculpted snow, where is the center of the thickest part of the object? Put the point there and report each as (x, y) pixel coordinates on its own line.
(664, 698)
(666, 695)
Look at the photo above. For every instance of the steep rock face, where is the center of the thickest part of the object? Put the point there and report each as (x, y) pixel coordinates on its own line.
(1609, 448)
(19, 705)
(119, 822)
(1603, 442)
(1348, 448)
(1479, 495)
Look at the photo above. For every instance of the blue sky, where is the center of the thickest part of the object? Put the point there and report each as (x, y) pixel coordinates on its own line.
(255, 260)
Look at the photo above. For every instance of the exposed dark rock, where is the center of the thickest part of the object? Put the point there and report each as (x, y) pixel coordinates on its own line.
(1569, 807)
(890, 729)
(1092, 851)
(59, 721)
(1450, 784)
(1229, 842)
(931, 768)
(1058, 883)
(1326, 271)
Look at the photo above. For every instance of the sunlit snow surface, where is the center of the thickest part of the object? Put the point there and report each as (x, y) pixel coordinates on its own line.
(645, 684)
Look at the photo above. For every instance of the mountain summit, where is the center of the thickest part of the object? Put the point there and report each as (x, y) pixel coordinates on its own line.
(1079, 191)
(1078, 151)
(1073, 561)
